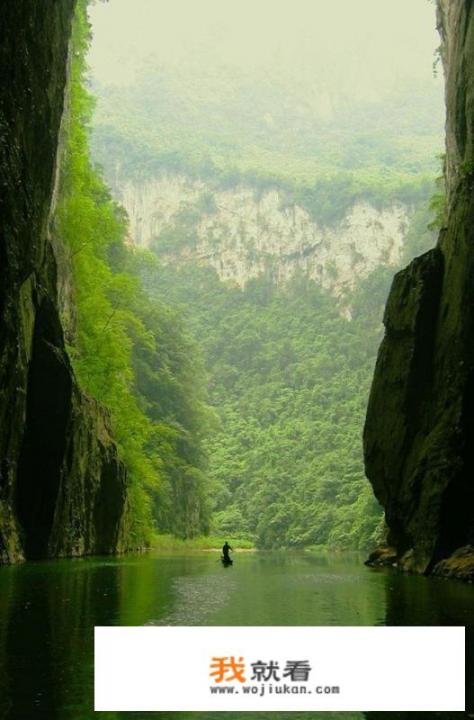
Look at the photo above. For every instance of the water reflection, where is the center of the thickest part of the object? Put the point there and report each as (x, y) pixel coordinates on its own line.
(48, 612)
(46, 632)
(423, 601)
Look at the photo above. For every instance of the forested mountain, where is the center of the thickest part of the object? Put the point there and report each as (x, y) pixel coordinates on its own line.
(278, 208)
(305, 129)
(289, 378)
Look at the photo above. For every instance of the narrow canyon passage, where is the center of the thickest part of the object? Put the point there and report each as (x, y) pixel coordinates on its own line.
(230, 240)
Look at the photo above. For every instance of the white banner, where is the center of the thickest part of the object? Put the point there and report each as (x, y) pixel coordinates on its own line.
(279, 668)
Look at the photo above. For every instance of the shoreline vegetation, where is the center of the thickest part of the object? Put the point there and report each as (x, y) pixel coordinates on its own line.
(167, 542)
(162, 541)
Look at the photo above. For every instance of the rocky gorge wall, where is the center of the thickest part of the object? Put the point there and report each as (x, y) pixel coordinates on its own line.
(418, 437)
(242, 234)
(63, 488)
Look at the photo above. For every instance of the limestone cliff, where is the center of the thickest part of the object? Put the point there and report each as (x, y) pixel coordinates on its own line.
(243, 234)
(420, 420)
(62, 485)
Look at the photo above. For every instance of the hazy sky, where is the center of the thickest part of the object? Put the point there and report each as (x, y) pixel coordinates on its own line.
(371, 43)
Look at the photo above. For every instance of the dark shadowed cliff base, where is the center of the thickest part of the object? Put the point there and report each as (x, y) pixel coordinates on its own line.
(418, 437)
(62, 485)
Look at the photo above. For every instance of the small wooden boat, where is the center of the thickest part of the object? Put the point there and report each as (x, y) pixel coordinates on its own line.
(226, 561)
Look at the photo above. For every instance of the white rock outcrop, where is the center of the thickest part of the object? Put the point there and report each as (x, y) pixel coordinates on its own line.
(242, 235)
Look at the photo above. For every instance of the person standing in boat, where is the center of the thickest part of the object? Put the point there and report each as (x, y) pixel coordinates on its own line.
(226, 548)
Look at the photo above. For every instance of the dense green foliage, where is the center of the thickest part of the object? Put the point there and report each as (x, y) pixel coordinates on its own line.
(290, 374)
(289, 380)
(130, 353)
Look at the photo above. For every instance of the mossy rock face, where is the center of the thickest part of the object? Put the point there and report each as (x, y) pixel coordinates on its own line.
(460, 566)
(62, 485)
(418, 445)
(382, 556)
(397, 438)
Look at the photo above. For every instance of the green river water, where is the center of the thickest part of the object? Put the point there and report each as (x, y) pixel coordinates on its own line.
(48, 611)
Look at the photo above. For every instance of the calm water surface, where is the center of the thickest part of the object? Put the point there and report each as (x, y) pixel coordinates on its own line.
(48, 611)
